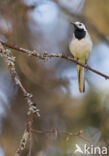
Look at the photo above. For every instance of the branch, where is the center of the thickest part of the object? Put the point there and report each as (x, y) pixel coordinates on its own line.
(27, 135)
(46, 55)
(56, 132)
(29, 127)
(68, 135)
(10, 60)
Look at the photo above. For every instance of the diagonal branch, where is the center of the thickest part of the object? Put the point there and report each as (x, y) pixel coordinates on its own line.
(27, 135)
(46, 55)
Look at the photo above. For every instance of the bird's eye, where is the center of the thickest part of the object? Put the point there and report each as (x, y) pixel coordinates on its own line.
(80, 24)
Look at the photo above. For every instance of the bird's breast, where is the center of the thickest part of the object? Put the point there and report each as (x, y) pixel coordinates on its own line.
(80, 48)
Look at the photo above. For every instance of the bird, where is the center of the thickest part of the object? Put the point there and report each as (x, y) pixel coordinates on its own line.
(80, 47)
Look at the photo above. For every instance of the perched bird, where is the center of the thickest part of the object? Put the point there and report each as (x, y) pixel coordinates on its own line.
(80, 47)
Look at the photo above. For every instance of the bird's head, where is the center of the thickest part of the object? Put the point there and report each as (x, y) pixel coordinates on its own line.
(80, 30)
(78, 25)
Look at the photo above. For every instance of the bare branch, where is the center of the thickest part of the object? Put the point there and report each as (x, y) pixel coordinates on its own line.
(27, 135)
(10, 60)
(23, 143)
(46, 55)
(68, 134)
(29, 128)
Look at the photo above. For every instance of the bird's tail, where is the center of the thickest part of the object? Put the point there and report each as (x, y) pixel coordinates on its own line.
(81, 81)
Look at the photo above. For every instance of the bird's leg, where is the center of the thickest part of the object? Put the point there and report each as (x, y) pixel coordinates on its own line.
(86, 64)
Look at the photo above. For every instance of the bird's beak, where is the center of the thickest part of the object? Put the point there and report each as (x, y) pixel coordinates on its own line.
(73, 24)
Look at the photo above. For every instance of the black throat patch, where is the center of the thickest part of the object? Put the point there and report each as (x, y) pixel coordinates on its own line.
(79, 33)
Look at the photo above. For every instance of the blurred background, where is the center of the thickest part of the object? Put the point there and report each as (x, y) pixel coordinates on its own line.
(44, 25)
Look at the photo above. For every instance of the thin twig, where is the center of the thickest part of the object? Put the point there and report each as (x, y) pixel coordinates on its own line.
(10, 60)
(68, 134)
(27, 135)
(30, 144)
(29, 127)
(46, 55)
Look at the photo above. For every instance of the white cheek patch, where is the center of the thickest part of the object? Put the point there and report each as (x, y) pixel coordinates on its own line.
(82, 25)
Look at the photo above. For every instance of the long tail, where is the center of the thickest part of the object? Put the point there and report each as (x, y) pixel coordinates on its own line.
(81, 81)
